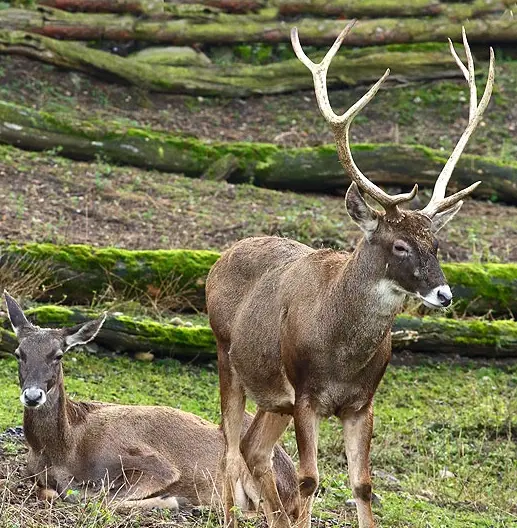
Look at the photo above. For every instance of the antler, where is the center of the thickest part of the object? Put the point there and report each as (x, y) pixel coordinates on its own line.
(341, 124)
(438, 202)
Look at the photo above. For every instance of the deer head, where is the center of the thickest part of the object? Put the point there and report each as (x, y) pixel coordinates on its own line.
(40, 351)
(402, 240)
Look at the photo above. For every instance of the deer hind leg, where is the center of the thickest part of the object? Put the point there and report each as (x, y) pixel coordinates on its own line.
(140, 478)
(357, 428)
(233, 402)
(306, 423)
(257, 448)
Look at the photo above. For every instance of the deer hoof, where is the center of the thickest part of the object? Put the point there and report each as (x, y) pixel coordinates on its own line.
(47, 494)
(308, 486)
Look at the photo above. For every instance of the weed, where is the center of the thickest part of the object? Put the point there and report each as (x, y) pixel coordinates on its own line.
(25, 277)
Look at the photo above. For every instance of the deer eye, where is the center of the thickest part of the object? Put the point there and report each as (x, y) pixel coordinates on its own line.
(400, 249)
(58, 355)
(17, 353)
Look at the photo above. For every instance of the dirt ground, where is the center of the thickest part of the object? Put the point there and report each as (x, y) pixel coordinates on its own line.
(50, 199)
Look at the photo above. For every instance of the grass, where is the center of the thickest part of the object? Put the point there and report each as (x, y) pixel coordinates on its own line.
(430, 418)
(24, 277)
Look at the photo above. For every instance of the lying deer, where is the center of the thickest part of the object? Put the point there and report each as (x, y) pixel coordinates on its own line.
(143, 457)
(306, 333)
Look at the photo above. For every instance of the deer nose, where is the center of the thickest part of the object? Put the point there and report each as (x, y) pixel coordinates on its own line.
(444, 295)
(33, 397)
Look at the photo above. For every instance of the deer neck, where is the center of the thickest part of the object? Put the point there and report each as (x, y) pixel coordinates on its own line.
(47, 429)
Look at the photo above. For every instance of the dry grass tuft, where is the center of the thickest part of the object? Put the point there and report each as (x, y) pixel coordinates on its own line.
(25, 277)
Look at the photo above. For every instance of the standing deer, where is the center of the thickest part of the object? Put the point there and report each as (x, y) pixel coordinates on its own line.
(142, 456)
(306, 333)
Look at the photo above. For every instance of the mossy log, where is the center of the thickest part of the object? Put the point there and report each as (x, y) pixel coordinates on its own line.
(222, 28)
(124, 334)
(229, 6)
(79, 273)
(350, 68)
(129, 335)
(392, 8)
(138, 7)
(471, 338)
(483, 288)
(266, 165)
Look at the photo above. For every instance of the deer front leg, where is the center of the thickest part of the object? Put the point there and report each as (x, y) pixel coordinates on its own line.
(53, 483)
(306, 428)
(357, 428)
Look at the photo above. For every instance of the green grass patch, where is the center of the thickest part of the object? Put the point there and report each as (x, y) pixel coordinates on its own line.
(430, 418)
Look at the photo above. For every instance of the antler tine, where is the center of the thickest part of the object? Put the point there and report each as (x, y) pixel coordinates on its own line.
(341, 123)
(459, 62)
(438, 201)
(319, 70)
(472, 76)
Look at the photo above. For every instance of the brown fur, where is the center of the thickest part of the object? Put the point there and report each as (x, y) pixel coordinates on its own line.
(307, 333)
(142, 456)
(141, 451)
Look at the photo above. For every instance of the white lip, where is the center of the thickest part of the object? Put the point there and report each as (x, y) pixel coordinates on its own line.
(431, 299)
(42, 402)
(429, 304)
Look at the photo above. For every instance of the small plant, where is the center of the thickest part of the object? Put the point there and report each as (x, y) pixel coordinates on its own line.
(26, 277)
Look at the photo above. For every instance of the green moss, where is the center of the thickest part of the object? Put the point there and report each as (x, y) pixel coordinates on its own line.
(470, 336)
(169, 335)
(79, 271)
(46, 315)
(483, 287)
(83, 270)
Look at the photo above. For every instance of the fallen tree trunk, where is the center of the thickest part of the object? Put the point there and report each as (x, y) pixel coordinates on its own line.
(129, 335)
(215, 28)
(350, 68)
(384, 8)
(471, 338)
(155, 8)
(300, 169)
(229, 6)
(124, 334)
(138, 7)
(77, 274)
(318, 169)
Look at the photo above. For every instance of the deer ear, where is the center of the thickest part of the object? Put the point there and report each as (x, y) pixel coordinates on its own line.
(16, 315)
(440, 219)
(81, 334)
(360, 212)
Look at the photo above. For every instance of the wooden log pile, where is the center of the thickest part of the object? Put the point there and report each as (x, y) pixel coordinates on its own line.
(216, 28)
(205, 24)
